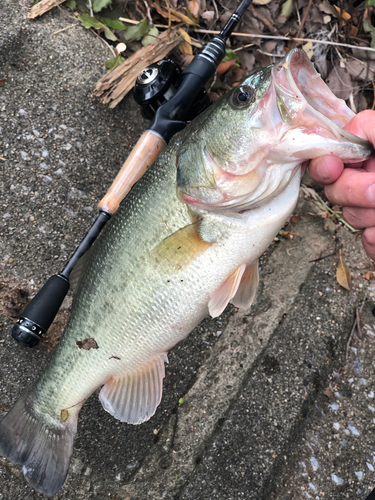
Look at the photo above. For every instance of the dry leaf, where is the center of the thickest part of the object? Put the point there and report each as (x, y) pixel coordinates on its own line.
(185, 46)
(343, 273)
(308, 48)
(342, 13)
(225, 66)
(369, 275)
(208, 15)
(328, 392)
(87, 344)
(261, 2)
(164, 13)
(327, 8)
(288, 235)
(295, 218)
(193, 6)
(323, 215)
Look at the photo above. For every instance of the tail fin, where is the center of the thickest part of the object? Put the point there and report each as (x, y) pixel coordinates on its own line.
(43, 447)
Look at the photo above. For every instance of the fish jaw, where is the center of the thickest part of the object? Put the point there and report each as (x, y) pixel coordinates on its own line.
(315, 116)
(294, 118)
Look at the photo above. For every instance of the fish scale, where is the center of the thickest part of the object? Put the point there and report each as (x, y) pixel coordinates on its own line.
(184, 243)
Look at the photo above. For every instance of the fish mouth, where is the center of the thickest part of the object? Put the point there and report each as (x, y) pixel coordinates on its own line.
(303, 98)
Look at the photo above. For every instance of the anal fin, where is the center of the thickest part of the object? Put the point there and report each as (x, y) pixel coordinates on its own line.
(135, 397)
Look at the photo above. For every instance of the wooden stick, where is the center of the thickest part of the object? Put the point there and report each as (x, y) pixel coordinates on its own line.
(42, 7)
(143, 155)
(114, 86)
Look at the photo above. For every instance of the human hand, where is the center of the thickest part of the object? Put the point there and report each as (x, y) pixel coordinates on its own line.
(354, 186)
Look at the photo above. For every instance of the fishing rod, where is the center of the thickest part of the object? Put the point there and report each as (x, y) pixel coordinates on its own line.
(160, 89)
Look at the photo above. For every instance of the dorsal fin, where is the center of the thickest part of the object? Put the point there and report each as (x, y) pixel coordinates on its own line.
(135, 397)
(248, 287)
(225, 292)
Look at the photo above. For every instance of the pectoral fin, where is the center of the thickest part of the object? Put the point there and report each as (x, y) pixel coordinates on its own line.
(135, 397)
(247, 289)
(225, 292)
(181, 248)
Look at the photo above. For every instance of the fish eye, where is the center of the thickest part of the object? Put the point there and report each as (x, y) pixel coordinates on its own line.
(242, 97)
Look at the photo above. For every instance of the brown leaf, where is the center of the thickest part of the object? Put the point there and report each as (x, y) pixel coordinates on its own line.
(288, 235)
(343, 273)
(328, 392)
(185, 46)
(369, 275)
(323, 215)
(164, 13)
(2, 408)
(238, 76)
(2, 82)
(295, 218)
(193, 6)
(342, 13)
(87, 344)
(225, 66)
(208, 15)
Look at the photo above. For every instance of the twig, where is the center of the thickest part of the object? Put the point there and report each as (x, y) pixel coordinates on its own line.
(324, 257)
(323, 206)
(91, 12)
(288, 38)
(302, 22)
(131, 21)
(148, 12)
(66, 28)
(105, 43)
(355, 324)
(264, 20)
(359, 331)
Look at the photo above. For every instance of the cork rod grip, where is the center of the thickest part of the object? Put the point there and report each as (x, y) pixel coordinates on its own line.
(145, 152)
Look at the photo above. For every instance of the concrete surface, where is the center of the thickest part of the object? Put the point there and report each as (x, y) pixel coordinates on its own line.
(255, 423)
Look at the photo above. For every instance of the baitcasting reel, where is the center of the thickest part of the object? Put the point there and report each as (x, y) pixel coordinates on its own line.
(158, 83)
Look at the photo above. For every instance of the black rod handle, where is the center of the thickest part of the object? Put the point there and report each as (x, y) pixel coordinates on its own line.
(36, 317)
(39, 314)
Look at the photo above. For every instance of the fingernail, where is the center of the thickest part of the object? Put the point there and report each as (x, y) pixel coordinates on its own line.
(322, 171)
(370, 193)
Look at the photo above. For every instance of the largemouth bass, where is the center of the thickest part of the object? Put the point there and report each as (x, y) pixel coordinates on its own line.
(183, 244)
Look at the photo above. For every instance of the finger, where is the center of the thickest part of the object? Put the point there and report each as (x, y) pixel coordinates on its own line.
(368, 241)
(326, 169)
(359, 218)
(369, 164)
(354, 188)
(363, 125)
